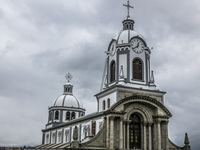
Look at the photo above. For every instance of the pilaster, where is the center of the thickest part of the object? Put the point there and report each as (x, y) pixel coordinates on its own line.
(155, 141)
(149, 126)
(121, 133)
(108, 132)
(159, 134)
(128, 122)
(145, 135)
(111, 132)
(166, 135)
(124, 137)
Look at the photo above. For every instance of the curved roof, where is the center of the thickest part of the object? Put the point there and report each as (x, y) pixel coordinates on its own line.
(67, 101)
(124, 36)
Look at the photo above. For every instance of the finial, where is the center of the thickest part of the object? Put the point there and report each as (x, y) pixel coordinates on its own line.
(68, 77)
(186, 142)
(187, 146)
(128, 7)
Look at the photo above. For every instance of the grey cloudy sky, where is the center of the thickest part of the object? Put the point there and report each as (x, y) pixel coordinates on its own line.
(41, 41)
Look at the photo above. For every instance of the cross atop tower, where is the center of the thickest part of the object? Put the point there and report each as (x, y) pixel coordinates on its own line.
(128, 7)
(68, 77)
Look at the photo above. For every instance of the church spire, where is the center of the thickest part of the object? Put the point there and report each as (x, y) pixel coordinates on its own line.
(128, 24)
(128, 8)
(68, 86)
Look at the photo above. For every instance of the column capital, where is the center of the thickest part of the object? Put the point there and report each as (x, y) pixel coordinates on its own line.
(112, 117)
(144, 123)
(166, 122)
(149, 124)
(121, 118)
(157, 121)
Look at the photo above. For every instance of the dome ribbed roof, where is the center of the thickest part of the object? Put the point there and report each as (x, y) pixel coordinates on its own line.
(125, 36)
(67, 101)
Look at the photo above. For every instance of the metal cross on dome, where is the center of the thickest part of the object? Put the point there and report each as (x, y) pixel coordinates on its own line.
(68, 77)
(128, 7)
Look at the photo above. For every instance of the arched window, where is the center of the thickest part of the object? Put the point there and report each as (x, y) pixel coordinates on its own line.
(137, 69)
(53, 138)
(47, 138)
(57, 115)
(86, 131)
(68, 115)
(108, 103)
(135, 132)
(73, 115)
(112, 71)
(50, 116)
(104, 105)
(66, 135)
(59, 136)
(94, 128)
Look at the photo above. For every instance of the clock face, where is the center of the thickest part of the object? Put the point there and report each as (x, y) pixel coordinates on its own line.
(113, 48)
(137, 45)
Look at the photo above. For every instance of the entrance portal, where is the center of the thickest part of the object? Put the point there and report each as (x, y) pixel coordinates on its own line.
(135, 132)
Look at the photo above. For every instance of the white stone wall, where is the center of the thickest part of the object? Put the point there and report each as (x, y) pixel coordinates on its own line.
(69, 129)
(111, 96)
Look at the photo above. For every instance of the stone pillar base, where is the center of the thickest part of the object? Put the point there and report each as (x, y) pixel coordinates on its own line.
(74, 144)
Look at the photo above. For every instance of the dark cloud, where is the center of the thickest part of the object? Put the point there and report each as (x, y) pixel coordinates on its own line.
(41, 41)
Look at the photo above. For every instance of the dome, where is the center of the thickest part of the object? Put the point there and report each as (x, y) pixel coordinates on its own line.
(67, 101)
(128, 32)
(126, 35)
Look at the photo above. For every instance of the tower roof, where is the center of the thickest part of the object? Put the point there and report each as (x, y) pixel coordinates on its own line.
(68, 99)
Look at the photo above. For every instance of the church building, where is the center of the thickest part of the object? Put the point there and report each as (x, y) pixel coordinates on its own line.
(131, 113)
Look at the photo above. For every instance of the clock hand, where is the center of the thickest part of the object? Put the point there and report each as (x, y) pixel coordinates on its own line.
(137, 44)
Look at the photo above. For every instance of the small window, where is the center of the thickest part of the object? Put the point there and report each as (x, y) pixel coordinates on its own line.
(47, 138)
(104, 105)
(54, 138)
(137, 69)
(86, 131)
(112, 71)
(82, 114)
(68, 115)
(73, 115)
(94, 128)
(50, 116)
(59, 136)
(66, 135)
(108, 103)
(57, 115)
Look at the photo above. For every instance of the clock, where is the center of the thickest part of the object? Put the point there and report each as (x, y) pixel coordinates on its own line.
(113, 48)
(137, 45)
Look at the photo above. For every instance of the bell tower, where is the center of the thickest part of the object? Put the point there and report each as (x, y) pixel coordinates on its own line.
(127, 64)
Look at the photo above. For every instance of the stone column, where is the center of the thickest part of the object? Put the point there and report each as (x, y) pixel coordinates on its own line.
(111, 132)
(107, 132)
(124, 137)
(121, 133)
(166, 136)
(155, 143)
(128, 135)
(145, 135)
(150, 146)
(159, 134)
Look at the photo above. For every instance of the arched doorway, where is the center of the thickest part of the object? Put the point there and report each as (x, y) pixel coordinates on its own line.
(135, 131)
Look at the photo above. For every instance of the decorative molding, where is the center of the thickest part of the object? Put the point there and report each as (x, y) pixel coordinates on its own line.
(150, 99)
